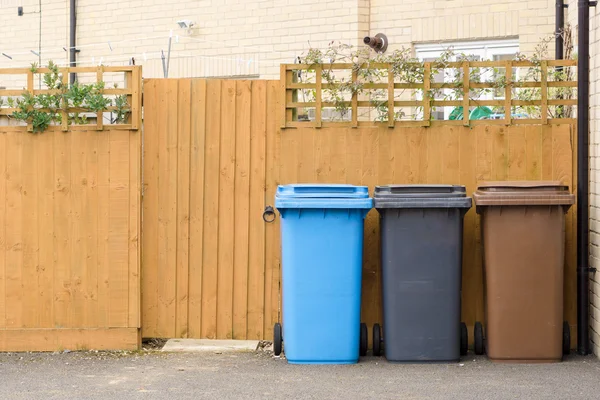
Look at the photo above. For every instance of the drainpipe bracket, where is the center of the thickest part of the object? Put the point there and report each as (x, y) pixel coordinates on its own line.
(593, 3)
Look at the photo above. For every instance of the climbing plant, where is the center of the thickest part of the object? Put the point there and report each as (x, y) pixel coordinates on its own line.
(76, 100)
(339, 87)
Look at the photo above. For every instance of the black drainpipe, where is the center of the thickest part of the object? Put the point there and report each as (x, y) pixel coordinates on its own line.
(72, 39)
(558, 29)
(583, 93)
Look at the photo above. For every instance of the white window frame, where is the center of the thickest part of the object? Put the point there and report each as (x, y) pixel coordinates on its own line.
(484, 49)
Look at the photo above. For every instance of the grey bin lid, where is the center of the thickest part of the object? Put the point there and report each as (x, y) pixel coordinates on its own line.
(421, 196)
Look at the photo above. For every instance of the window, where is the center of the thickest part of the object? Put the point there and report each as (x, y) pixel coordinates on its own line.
(495, 50)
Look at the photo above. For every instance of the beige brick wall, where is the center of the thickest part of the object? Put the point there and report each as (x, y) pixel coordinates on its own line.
(252, 37)
(425, 21)
(594, 168)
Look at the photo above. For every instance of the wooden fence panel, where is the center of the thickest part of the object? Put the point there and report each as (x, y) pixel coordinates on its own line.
(69, 228)
(451, 155)
(231, 154)
(220, 280)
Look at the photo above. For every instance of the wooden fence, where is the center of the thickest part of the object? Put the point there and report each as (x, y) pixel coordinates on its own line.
(210, 264)
(70, 214)
(447, 155)
(69, 228)
(214, 153)
(344, 92)
(128, 77)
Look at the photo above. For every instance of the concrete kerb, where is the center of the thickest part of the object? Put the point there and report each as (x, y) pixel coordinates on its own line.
(209, 345)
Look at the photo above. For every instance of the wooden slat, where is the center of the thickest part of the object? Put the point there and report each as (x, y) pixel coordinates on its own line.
(197, 202)
(136, 98)
(426, 94)
(500, 154)
(103, 264)
(90, 228)
(64, 115)
(211, 210)
(58, 339)
(371, 288)
(30, 240)
(256, 237)
(466, 93)
(154, 103)
(318, 96)
(184, 119)
(390, 92)
(508, 93)
(544, 90)
(454, 64)
(243, 121)
(30, 90)
(272, 249)
(517, 154)
(118, 231)
(63, 300)
(284, 94)
(167, 212)
(99, 114)
(135, 228)
(3, 220)
(226, 212)
(76, 230)
(533, 152)
(354, 105)
(476, 156)
(558, 102)
(561, 83)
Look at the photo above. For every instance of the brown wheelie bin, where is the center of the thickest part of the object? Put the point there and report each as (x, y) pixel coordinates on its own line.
(523, 236)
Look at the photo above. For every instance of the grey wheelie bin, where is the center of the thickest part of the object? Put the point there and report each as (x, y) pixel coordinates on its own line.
(421, 267)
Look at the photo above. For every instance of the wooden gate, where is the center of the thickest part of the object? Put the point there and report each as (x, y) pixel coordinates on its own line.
(210, 264)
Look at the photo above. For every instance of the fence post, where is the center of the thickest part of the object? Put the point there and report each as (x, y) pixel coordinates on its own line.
(30, 90)
(544, 90)
(354, 107)
(508, 93)
(391, 119)
(426, 98)
(283, 88)
(100, 114)
(318, 97)
(136, 93)
(466, 93)
(64, 114)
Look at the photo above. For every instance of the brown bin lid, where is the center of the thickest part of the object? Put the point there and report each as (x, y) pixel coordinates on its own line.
(524, 193)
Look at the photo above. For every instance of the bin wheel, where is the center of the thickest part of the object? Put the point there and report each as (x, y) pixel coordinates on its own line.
(478, 336)
(376, 340)
(566, 344)
(277, 339)
(364, 339)
(464, 339)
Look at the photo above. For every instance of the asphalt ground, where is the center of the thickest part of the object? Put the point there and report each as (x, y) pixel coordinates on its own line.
(259, 375)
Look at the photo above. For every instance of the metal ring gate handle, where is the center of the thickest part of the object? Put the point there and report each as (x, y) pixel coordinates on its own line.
(269, 214)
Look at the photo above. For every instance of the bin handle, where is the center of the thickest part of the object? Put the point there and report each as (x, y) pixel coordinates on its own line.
(269, 214)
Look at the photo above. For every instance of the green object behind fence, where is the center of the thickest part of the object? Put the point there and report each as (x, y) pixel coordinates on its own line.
(477, 113)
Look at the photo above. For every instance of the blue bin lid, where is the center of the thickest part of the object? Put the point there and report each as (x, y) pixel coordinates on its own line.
(322, 196)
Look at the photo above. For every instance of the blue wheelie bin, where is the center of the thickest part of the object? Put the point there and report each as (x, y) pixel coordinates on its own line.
(322, 246)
